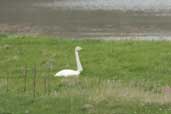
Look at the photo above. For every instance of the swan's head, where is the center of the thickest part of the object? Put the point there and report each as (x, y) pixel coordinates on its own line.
(78, 48)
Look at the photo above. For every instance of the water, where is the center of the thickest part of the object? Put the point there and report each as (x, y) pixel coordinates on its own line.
(155, 5)
(87, 18)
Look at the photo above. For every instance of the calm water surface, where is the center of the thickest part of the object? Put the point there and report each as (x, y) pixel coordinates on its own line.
(87, 18)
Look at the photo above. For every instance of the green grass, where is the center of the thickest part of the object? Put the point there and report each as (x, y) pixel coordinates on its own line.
(119, 77)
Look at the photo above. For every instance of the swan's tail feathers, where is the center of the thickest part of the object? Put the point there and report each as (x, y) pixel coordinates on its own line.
(57, 75)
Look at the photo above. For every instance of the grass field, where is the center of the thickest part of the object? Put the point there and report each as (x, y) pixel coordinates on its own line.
(119, 77)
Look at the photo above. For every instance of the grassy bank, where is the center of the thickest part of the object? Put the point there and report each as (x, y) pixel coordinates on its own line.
(121, 77)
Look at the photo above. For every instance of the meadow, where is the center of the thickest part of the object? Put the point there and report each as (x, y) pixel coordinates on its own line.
(119, 77)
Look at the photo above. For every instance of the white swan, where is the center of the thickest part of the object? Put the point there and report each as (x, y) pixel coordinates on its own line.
(69, 72)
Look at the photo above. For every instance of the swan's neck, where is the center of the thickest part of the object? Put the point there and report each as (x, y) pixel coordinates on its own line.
(79, 66)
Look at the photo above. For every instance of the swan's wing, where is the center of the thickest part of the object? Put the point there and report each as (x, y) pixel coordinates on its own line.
(67, 73)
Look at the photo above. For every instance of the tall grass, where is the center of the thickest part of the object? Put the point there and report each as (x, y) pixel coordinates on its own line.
(90, 93)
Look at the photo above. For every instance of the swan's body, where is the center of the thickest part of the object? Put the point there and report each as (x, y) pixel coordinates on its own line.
(69, 72)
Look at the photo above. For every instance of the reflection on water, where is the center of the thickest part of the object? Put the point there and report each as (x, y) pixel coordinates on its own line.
(87, 18)
(155, 5)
